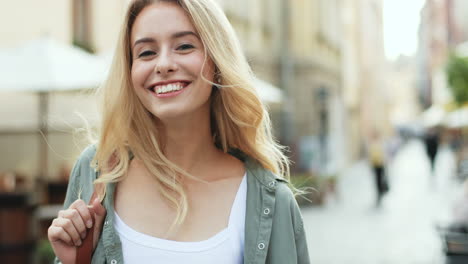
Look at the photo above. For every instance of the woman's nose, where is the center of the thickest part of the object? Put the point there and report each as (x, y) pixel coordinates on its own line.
(165, 64)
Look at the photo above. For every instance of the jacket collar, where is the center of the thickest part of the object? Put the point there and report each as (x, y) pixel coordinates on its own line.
(262, 175)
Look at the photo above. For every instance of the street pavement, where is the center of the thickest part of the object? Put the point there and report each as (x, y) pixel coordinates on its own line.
(350, 229)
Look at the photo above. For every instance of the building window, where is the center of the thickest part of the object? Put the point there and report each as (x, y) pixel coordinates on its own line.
(82, 24)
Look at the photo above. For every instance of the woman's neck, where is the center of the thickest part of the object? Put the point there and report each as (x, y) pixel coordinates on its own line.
(189, 145)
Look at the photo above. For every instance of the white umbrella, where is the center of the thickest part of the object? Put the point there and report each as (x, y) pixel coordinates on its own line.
(457, 118)
(45, 65)
(433, 116)
(267, 92)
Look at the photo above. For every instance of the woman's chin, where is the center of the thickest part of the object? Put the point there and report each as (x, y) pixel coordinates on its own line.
(170, 115)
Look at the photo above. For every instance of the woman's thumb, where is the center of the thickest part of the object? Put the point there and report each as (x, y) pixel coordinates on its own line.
(99, 210)
(99, 215)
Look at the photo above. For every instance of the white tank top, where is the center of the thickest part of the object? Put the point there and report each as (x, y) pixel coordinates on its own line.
(226, 247)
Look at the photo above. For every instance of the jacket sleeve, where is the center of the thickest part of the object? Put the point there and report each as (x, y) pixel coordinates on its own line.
(288, 238)
(302, 251)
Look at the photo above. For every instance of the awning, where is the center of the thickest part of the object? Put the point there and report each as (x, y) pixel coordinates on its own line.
(268, 93)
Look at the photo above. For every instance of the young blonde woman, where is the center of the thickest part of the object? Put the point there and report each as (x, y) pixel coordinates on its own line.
(186, 169)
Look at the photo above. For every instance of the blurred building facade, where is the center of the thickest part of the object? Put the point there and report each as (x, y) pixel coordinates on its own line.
(296, 45)
(404, 107)
(313, 80)
(443, 26)
(336, 91)
(315, 84)
(364, 73)
(90, 24)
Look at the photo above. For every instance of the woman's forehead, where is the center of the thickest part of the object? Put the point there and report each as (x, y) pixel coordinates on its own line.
(161, 19)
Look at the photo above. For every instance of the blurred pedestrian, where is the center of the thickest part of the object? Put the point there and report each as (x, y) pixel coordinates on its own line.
(431, 142)
(376, 153)
(392, 147)
(187, 169)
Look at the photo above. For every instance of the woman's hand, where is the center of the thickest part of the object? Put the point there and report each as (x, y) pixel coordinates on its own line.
(70, 228)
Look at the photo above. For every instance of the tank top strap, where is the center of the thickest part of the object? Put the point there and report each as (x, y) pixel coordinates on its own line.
(237, 215)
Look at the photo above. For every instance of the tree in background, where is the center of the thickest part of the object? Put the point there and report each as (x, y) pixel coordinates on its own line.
(457, 75)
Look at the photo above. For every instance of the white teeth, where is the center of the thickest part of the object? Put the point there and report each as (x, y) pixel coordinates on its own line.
(168, 88)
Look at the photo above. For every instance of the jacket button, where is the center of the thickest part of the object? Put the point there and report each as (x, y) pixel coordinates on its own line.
(106, 223)
(266, 211)
(113, 261)
(272, 184)
(261, 246)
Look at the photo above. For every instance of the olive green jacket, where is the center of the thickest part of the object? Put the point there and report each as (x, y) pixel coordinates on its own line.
(274, 231)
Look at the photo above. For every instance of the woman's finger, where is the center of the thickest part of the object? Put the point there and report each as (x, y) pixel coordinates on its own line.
(77, 220)
(57, 233)
(82, 208)
(69, 227)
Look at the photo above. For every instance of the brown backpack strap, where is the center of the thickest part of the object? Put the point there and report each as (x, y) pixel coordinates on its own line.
(85, 251)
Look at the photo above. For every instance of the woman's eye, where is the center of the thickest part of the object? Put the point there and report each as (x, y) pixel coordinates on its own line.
(185, 47)
(146, 53)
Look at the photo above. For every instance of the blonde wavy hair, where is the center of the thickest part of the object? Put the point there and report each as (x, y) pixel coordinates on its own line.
(239, 120)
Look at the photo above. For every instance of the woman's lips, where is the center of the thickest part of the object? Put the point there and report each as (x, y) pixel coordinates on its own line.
(169, 90)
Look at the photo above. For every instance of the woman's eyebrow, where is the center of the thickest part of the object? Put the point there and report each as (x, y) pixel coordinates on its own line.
(174, 36)
(183, 34)
(144, 40)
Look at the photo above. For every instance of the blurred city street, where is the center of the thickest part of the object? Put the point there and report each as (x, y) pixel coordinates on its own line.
(343, 83)
(349, 229)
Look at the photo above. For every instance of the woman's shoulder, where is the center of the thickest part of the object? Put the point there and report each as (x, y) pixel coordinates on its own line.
(83, 165)
(264, 176)
(86, 156)
(269, 180)
(81, 177)
(88, 152)
(279, 188)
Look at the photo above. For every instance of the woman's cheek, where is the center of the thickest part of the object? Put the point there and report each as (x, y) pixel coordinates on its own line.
(133, 76)
(138, 75)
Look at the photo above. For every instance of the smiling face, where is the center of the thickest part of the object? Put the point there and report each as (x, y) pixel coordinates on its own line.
(168, 58)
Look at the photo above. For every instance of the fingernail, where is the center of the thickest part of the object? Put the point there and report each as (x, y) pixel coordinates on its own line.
(89, 223)
(78, 243)
(83, 235)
